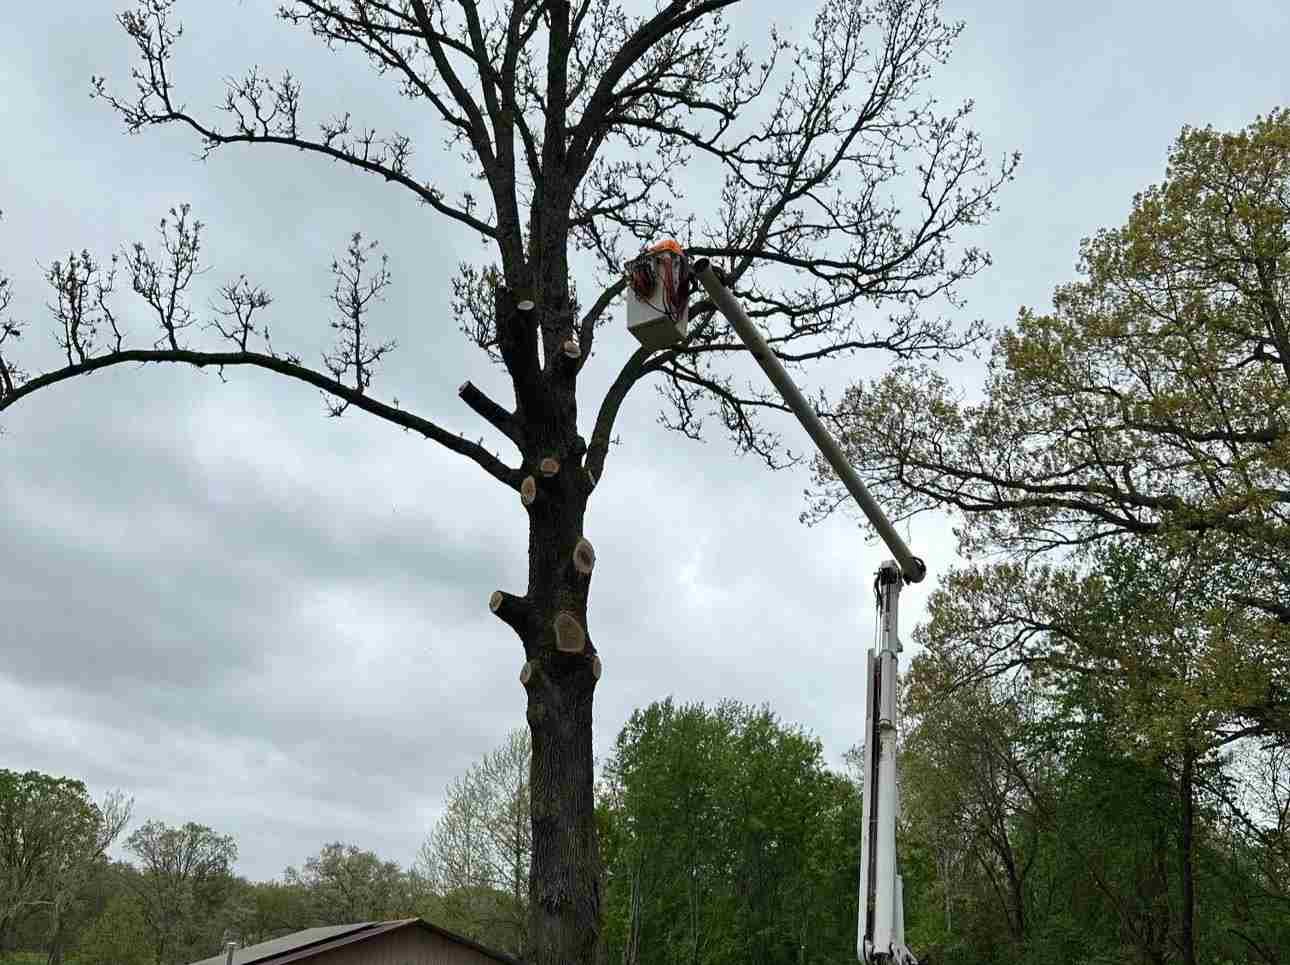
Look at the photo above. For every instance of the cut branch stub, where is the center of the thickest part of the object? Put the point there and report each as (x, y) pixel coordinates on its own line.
(569, 357)
(486, 408)
(569, 635)
(549, 466)
(526, 672)
(515, 611)
(584, 556)
(595, 667)
(525, 305)
(528, 490)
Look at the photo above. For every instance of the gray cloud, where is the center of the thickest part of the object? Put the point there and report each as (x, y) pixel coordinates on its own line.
(248, 615)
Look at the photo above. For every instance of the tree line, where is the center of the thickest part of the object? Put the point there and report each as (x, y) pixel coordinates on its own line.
(690, 795)
(175, 896)
(1045, 819)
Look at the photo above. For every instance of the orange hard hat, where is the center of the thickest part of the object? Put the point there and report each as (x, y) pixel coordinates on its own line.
(668, 245)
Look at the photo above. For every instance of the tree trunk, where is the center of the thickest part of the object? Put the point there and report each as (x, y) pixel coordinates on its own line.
(55, 950)
(564, 886)
(564, 873)
(632, 949)
(1185, 848)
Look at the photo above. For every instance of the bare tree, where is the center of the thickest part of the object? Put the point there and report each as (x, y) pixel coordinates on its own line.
(478, 854)
(577, 117)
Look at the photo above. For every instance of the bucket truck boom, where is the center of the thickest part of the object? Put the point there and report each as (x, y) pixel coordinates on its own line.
(880, 936)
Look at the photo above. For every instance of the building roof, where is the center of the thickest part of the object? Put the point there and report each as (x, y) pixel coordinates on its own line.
(287, 943)
(303, 944)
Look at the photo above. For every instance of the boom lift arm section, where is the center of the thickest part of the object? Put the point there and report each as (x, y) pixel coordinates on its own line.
(880, 937)
(910, 565)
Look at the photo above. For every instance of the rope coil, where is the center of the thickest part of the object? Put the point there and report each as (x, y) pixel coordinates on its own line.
(666, 266)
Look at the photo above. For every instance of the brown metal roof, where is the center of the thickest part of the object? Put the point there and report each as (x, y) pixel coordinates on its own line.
(263, 951)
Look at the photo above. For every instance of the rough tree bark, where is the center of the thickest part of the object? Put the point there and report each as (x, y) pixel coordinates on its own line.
(560, 682)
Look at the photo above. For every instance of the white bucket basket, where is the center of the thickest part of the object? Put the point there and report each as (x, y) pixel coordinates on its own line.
(654, 322)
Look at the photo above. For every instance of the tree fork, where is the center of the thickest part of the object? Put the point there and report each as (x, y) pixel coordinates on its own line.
(517, 342)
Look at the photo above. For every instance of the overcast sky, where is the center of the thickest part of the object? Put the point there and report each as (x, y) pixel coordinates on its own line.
(247, 615)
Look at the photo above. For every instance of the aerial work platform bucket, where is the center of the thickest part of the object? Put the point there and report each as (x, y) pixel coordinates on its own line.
(658, 295)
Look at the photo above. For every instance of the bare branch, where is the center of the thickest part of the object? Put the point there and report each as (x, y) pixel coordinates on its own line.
(592, 319)
(515, 611)
(434, 40)
(591, 127)
(162, 282)
(474, 303)
(238, 305)
(355, 355)
(82, 288)
(10, 331)
(283, 366)
(261, 112)
(598, 447)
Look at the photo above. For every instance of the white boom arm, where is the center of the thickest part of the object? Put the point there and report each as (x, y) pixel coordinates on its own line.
(910, 565)
(880, 936)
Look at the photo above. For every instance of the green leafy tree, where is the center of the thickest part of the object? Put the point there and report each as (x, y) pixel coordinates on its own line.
(343, 883)
(1251, 862)
(726, 841)
(185, 878)
(1152, 400)
(1148, 680)
(119, 936)
(1137, 436)
(970, 768)
(73, 876)
(52, 835)
(257, 911)
(576, 118)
